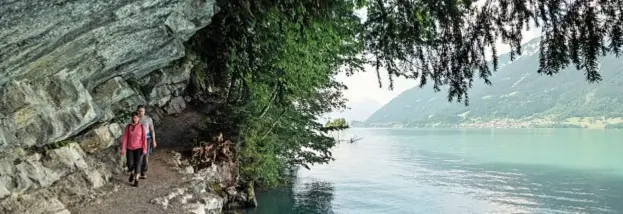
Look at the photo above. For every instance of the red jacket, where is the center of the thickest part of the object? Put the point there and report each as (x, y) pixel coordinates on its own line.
(134, 138)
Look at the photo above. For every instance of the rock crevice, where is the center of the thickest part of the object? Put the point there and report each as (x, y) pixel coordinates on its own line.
(72, 71)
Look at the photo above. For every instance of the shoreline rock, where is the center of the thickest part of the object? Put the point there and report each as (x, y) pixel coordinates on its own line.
(206, 191)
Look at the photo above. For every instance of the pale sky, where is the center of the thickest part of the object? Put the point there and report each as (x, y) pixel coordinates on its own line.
(365, 84)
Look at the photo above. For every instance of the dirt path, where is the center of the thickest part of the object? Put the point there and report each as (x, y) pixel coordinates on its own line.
(172, 134)
(161, 179)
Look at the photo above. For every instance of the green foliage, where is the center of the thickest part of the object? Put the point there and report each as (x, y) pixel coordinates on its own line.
(280, 66)
(446, 41)
(337, 123)
(275, 61)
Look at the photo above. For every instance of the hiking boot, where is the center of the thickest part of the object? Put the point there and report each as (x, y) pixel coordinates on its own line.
(136, 183)
(143, 176)
(131, 179)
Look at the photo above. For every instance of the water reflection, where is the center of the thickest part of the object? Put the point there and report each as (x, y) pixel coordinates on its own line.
(453, 171)
(521, 188)
(305, 197)
(314, 197)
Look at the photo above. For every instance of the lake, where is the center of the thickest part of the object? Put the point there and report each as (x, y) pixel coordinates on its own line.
(462, 171)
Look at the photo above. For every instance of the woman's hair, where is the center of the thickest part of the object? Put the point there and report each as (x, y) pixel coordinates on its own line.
(134, 114)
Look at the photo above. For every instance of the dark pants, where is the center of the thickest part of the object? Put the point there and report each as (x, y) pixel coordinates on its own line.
(135, 160)
(146, 157)
(145, 160)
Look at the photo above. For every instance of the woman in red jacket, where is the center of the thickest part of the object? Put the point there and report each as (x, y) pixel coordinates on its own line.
(135, 142)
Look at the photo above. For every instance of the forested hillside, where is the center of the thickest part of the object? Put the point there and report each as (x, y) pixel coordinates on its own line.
(518, 93)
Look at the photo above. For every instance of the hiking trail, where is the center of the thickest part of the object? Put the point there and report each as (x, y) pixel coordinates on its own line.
(162, 176)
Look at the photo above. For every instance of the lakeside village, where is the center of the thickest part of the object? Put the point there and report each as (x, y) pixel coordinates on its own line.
(586, 123)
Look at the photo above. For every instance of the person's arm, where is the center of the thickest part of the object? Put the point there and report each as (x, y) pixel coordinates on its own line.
(144, 139)
(153, 133)
(124, 141)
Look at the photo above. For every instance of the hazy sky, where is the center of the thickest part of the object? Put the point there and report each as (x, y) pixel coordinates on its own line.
(365, 84)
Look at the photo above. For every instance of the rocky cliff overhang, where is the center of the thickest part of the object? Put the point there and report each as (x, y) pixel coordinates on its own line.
(71, 69)
(65, 65)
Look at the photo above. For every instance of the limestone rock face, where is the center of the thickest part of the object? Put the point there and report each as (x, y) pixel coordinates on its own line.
(57, 177)
(100, 137)
(72, 71)
(64, 65)
(40, 202)
(165, 87)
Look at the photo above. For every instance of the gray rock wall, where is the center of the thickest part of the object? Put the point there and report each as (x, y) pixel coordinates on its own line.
(73, 70)
(64, 64)
(47, 182)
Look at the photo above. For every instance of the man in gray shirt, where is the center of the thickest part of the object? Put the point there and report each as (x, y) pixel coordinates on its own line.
(148, 124)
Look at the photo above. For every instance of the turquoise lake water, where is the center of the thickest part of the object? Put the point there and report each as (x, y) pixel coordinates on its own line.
(462, 171)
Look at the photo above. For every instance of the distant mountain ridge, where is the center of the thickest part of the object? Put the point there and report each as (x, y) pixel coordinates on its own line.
(519, 96)
(359, 110)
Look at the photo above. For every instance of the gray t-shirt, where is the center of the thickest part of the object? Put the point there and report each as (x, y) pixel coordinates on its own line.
(147, 123)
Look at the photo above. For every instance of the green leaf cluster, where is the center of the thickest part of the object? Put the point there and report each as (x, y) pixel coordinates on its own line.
(336, 124)
(449, 43)
(280, 67)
